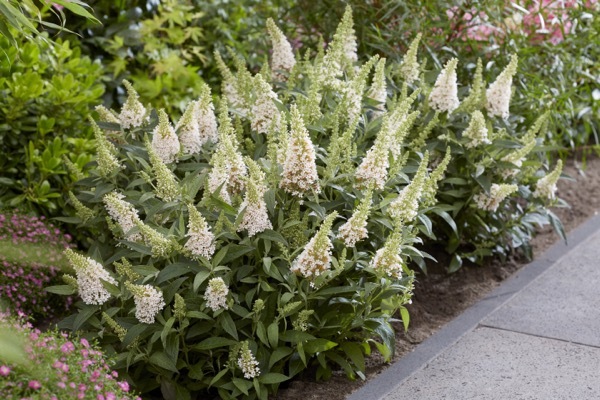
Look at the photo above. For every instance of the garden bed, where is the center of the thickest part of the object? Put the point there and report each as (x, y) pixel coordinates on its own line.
(440, 297)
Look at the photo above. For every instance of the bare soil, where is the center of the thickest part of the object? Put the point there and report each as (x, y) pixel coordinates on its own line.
(440, 297)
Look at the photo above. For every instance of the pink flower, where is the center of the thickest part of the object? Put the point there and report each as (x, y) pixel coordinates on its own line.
(110, 396)
(124, 386)
(67, 347)
(35, 385)
(85, 343)
(4, 370)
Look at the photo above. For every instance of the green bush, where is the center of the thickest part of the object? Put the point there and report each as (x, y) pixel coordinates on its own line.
(214, 271)
(46, 90)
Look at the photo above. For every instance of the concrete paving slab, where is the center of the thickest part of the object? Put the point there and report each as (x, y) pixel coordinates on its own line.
(493, 364)
(563, 303)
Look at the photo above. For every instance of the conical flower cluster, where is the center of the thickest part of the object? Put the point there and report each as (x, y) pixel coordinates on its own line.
(355, 229)
(133, 112)
(201, 242)
(255, 218)
(378, 91)
(216, 294)
(444, 95)
(229, 86)
(476, 132)
(164, 139)
(229, 171)
(188, 130)
(430, 188)
(283, 57)
(315, 259)
(90, 275)
(247, 362)
(353, 92)
(160, 245)
(373, 169)
(205, 115)
(491, 201)
(476, 98)
(518, 156)
(108, 164)
(84, 213)
(106, 115)
(499, 93)
(299, 169)
(123, 213)
(387, 259)
(406, 206)
(341, 52)
(264, 112)
(148, 300)
(546, 186)
(409, 69)
(167, 187)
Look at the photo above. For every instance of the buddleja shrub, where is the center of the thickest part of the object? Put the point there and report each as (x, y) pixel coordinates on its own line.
(231, 255)
(496, 189)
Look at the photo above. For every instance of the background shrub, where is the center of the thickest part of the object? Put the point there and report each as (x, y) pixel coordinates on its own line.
(46, 89)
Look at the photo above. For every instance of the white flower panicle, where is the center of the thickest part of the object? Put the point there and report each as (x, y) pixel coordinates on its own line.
(409, 69)
(299, 169)
(498, 93)
(406, 206)
(164, 139)
(90, 275)
(444, 95)
(430, 188)
(247, 362)
(205, 115)
(315, 259)
(355, 229)
(108, 164)
(106, 115)
(378, 91)
(373, 169)
(354, 90)
(491, 201)
(518, 156)
(167, 187)
(476, 132)
(188, 130)
(387, 259)
(148, 300)
(264, 112)
(229, 84)
(216, 294)
(476, 98)
(125, 215)
(255, 218)
(201, 242)
(341, 52)
(283, 57)
(133, 112)
(546, 187)
(160, 245)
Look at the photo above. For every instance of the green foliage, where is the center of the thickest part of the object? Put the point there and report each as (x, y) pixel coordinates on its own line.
(46, 90)
(23, 16)
(558, 69)
(166, 48)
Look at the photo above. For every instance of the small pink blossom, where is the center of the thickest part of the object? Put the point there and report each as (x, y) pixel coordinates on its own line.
(35, 385)
(4, 370)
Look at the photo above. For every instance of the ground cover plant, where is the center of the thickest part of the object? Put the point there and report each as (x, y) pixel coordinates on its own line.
(51, 365)
(31, 258)
(234, 252)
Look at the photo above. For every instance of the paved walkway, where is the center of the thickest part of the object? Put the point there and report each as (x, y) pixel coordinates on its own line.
(537, 336)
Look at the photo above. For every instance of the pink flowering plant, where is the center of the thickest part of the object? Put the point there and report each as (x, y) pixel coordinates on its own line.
(51, 365)
(31, 257)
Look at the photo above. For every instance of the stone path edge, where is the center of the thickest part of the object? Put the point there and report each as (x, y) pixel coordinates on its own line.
(410, 363)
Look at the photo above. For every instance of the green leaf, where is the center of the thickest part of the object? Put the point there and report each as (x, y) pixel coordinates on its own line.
(166, 330)
(61, 289)
(213, 343)
(295, 336)
(278, 354)
(200, 277)
(318, 345)
(271, 378)
(446, 217)
(172, 271)
(405, 315)
(354, 353)
(162, 360)
(455, 263)
(273, 334)
(228, 325)
(83, 315)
